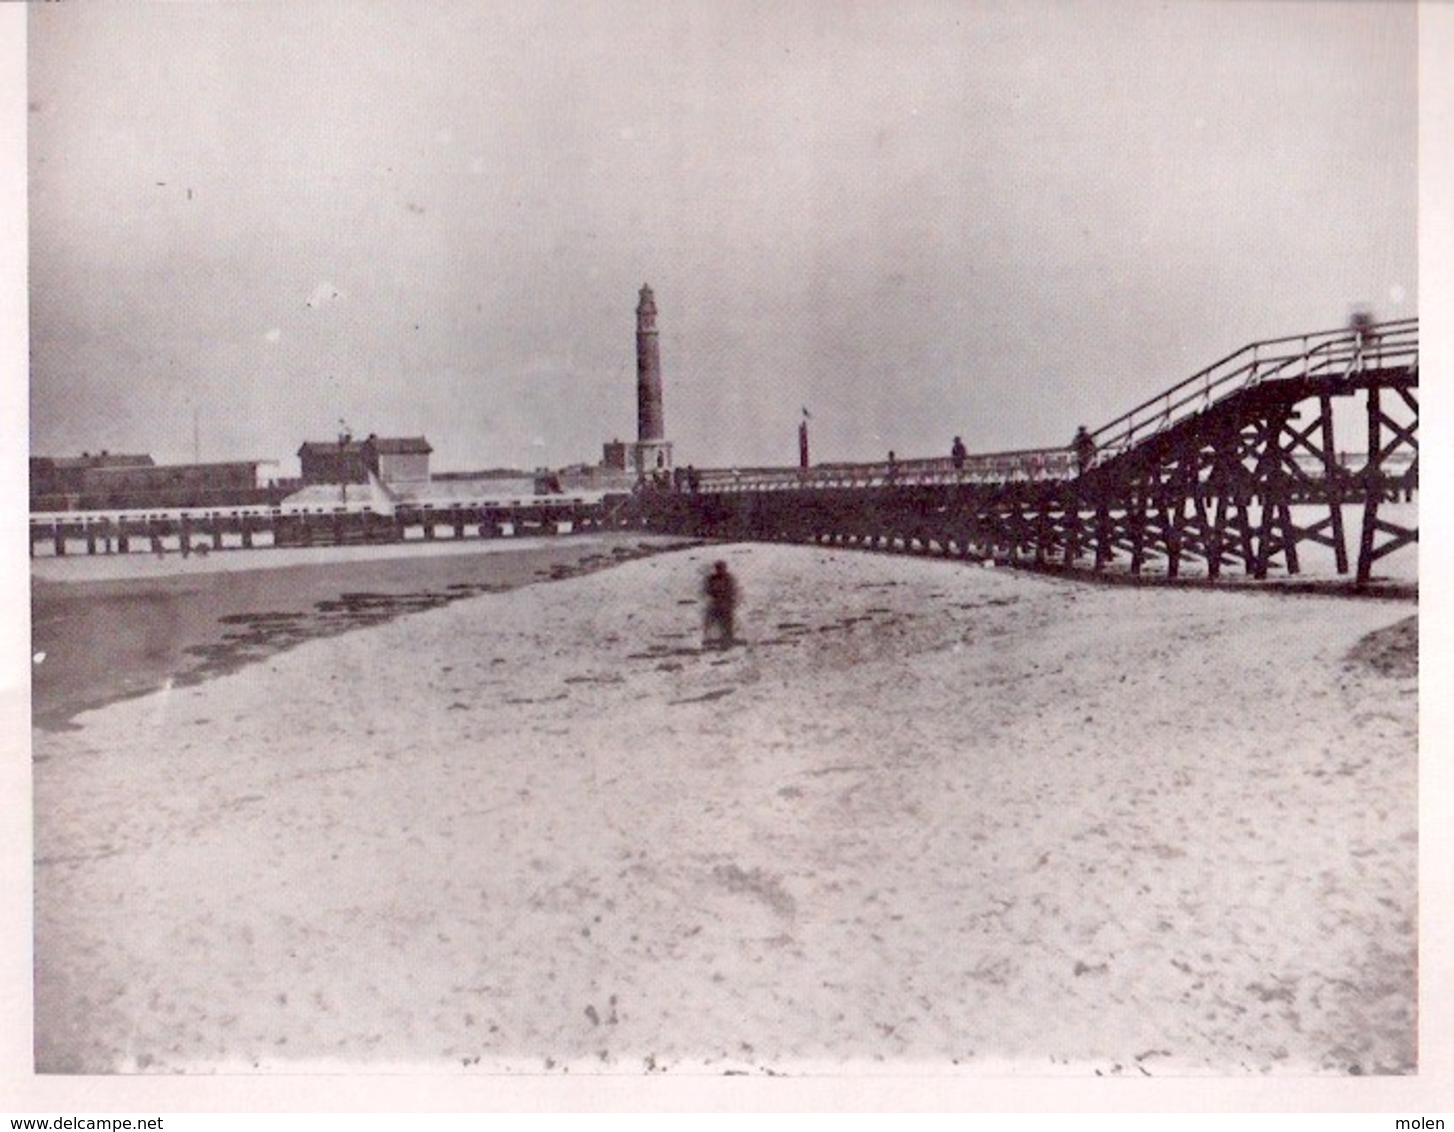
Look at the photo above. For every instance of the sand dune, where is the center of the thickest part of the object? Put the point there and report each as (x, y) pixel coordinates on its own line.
(929, 816)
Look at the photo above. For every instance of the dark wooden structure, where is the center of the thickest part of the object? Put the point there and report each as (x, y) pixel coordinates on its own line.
(1231, 469)
(188, 530)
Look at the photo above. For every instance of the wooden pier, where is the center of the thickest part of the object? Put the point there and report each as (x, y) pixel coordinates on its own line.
(1230, 470)
(203, 530)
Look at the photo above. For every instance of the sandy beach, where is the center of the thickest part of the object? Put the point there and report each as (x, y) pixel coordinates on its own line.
(930, 816)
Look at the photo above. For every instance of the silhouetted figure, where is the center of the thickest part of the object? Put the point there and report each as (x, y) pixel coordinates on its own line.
(957, 454)
(694, 480)
(1084, 448)
(893, 472)
(1361, 323)
(720, 591)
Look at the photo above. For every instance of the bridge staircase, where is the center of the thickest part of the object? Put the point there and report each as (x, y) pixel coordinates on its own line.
(1239, 463)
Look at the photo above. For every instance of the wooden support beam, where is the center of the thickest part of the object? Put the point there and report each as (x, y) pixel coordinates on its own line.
(1371, 498)
(1136, 525)
(1171, 519)
(1333, 484)
(1073, 531)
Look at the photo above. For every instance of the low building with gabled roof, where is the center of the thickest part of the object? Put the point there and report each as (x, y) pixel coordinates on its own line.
(393, 460)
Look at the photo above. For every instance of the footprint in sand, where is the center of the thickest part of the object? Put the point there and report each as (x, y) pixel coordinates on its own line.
(758, 884)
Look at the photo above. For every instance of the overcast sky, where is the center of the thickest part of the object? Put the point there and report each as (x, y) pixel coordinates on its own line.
(916, 219)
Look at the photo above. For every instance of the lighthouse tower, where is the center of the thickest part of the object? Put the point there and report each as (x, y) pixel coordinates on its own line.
(652, 451)
(649, 425)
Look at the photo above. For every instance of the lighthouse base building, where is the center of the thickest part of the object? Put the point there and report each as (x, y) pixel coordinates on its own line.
(640, 458)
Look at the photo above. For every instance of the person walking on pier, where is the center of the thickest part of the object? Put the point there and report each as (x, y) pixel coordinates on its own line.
(1084, 448)
(1362, 324)
(721, 593)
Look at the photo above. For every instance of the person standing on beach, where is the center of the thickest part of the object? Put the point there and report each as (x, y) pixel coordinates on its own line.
(720, 591)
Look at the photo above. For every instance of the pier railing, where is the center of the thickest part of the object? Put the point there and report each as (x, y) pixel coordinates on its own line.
(1333, 356)
(370, 520)
(1031, 465)
(1027, 465)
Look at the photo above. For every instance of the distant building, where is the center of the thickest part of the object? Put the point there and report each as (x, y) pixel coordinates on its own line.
(395, 461)
(125, 483)
(234, 475)
(595, 477)
(398, 461)
(616, 456)
(66, 475)
(326, 461)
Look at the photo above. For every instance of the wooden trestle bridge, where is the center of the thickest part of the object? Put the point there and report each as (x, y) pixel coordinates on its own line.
(1231, 470)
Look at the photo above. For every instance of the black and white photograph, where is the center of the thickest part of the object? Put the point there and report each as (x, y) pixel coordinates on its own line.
(829, 541)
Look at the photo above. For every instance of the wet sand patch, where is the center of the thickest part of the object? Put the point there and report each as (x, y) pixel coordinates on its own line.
(705, 697)
(1393, 651)
(105, 641)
